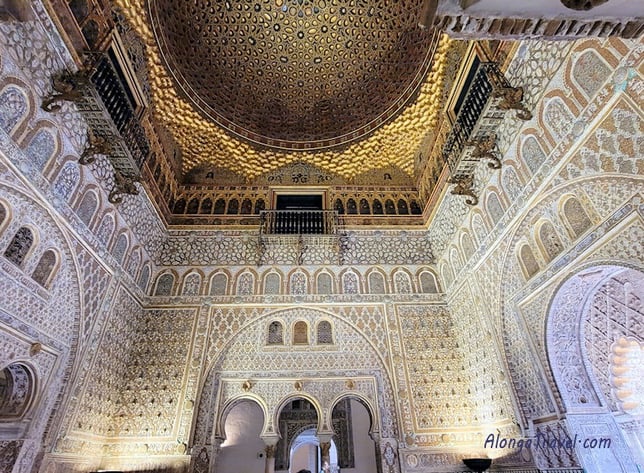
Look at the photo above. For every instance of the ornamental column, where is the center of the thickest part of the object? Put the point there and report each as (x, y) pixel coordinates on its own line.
(325, 450)
(269, 454)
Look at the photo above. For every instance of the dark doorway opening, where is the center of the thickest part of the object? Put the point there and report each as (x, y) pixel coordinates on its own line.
(298, 202)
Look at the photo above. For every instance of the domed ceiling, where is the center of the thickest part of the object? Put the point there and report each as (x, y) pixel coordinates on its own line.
(295, 74)
(249, 88)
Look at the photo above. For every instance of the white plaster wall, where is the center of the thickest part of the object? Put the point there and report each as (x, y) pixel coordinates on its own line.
(304, 458)
(240, 452)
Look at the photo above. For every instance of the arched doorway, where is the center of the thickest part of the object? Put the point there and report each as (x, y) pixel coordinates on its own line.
(594, 325)
(352, 421)
(297, 424)
(242, 448)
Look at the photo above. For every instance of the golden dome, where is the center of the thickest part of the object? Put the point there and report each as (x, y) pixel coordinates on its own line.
(295, 74)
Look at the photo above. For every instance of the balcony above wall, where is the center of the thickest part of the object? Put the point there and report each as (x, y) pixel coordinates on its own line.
(472, 139)
(300, 230)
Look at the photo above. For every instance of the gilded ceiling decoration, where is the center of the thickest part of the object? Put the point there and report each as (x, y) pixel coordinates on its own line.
(295, 74)
(360, 87)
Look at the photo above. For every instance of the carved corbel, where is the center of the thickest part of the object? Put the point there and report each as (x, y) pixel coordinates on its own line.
(95, 145)
(484, 149)
(464, 186)
(511, 99)
(67, 87)
(123, 185)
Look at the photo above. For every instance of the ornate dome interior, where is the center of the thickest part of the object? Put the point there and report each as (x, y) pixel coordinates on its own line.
(247, 88)
(295, 74)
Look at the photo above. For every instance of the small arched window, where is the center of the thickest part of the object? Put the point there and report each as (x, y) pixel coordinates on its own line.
(41, 147)
(325, 283)
(494, 208)
(104, 232)
(87, 208)
(165, 285)
(352, 207)
(192, 284)
(275, 333)
(66, 181)
(246, 284)
(13, 108)
(576, 218)
(376, 283)
(300, 333)
(233, 207)
(272, 283)
(364, 207)
(120, 248)
(219, 284)
(144, 277)
(298, 283)
(246, 207)
(402, 282)
(19, 246)
(390, 208)
(16, 391)
(79, 10)
(179, 206)
(428, 283)
(377, 207)
(206, 206)
(350, 283)
(220, 206)
(339, 206)
(403, 209)
(193, 206)
(527, 261)
(44, 271)
(550, 241)
(325, 333)
(259, 206)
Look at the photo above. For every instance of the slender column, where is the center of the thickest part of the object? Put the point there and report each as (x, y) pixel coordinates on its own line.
(269, 454)
(325, 450)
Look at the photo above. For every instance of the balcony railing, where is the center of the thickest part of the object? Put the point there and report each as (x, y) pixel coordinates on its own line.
(104, 98)
(298, 222)
(472, 138)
